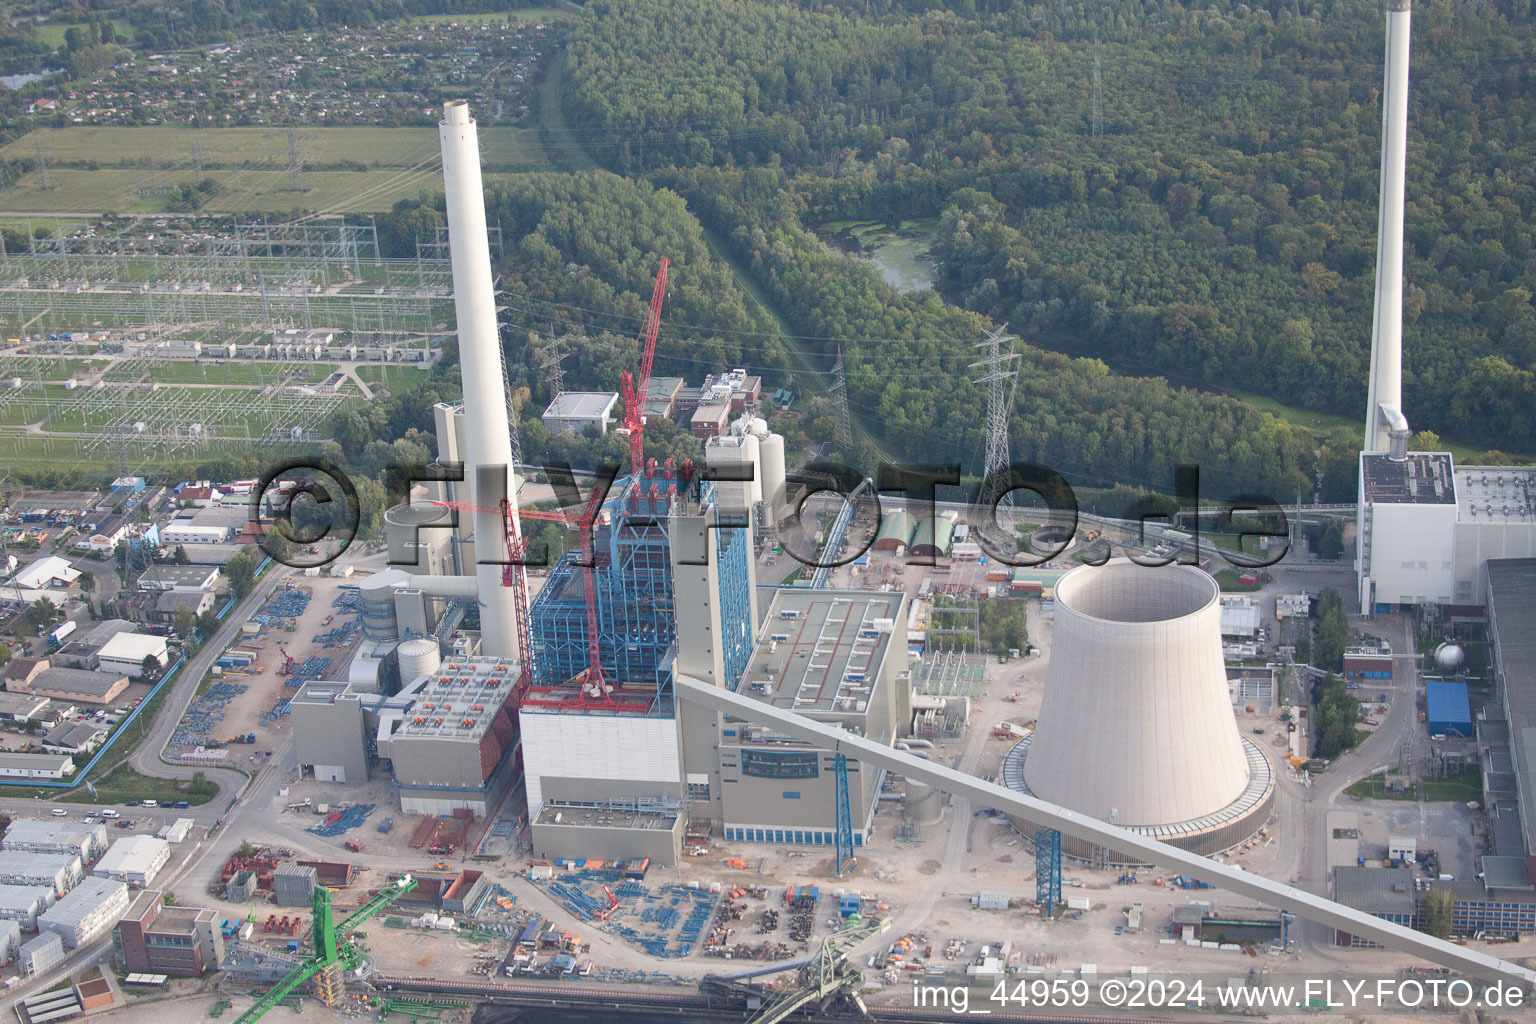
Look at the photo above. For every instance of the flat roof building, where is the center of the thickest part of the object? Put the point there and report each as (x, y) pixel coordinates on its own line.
(48, 571)
(55, 835)
(36, 766)
(574, 411)
(1387, 893)
(1405, 552)
(134, 859)
(39, 954)
(178, 577)
(328, 731)
(155, 939)
(23, 707)
(126, 652)
(25, 903)
(58, 871)
(88, 912)
(837, 657)
(83, 686)
(1511, 608)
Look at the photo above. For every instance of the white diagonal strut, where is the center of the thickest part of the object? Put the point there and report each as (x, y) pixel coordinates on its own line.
(988, 794)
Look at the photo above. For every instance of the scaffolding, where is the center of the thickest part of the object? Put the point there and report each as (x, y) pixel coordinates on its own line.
(635, 600)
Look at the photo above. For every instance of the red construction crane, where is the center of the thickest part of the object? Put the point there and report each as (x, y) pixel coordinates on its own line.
(286, 669)
(634, 391)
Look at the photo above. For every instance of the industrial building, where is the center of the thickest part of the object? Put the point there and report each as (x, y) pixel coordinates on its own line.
(834, 656)
(87, 913)
(82, 686)
(293, 885)
(188, 578)
(36, 766)
(1507, 733)
(23, 707)
(575, 412)
(59, 871)
(155, 939)
(53, 835)
(135, 860)
(1137, 725)
(10, 941)
(126, 653)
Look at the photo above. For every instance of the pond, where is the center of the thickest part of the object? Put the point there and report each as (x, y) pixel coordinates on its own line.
(900, 253)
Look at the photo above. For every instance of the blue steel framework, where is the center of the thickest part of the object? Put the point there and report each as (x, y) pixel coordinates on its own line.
(1047, 871)
(635, 601)
(842, 855)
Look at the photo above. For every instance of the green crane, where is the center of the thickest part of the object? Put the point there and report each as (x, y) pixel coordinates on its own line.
(825, 975)
(332, 956)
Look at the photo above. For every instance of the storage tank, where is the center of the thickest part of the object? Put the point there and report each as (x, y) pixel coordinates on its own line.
(419, 657)
(925, 805)
(376, 604)
(770, 459)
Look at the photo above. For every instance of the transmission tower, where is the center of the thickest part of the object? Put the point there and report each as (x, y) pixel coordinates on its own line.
(840, 399)
(1000, 377)
(295, 162)
(197, 153)
(554, 375)
(42, 168)
(1098, 88)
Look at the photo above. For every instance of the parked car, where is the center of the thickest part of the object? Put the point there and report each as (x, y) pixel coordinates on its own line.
(59, 812)
(109, 812)
(150, 803)
(130, 803)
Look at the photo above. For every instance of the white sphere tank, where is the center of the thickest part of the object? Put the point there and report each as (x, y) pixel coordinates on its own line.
(770, 457)
(419, 656)
(1449, 656)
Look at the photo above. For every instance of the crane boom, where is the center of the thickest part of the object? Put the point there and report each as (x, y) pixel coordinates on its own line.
(635, 390)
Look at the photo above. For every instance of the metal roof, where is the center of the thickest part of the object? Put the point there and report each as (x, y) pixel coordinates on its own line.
(582, 405)
(133, 647)
(1448, 702)
(78, 680)
(82, 901)
(24, 897)
(1375, 890)
(1424, 478)
(134, 855)
(1512, 618)
(822, 650)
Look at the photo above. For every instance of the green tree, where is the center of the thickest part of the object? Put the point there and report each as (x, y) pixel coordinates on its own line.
(185, 624)
(1437, 910)
(241, 571)
(150, 667)
(180, 555)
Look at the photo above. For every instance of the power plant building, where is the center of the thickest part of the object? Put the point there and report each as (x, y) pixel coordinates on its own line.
(834, 656)
(1137, 726)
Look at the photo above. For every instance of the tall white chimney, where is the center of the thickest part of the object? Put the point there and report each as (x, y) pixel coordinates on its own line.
(488, 469)
(1386, 427)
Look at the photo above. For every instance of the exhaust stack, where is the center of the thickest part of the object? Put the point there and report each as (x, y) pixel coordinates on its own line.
(1386, 426)
(488, 469)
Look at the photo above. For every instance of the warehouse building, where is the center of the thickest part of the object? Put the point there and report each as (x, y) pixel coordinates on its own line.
(574, 411)
(24, 904)
(23, 707)
(189, 578)
(1387, 893)
(177, 533)
(135, 860)
(82, 686)
(126, 652)
(59, 871)
(87, 913)
(155, 939)
(1510, 742)
(36, 766)
(52, 835)
(172, 601)
(75, 739)
(20, 672)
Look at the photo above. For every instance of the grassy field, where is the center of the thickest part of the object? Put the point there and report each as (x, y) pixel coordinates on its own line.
(53, 35)
(394, 376)
(138, 168)
(527, 15)
(171, 146)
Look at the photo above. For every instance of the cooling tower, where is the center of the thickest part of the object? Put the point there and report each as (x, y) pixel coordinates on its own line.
(1137, 727)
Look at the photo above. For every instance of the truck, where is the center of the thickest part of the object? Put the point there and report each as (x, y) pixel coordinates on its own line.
(62, 630)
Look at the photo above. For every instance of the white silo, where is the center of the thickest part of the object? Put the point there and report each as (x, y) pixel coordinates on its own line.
(419, 656)
(770, 456)
(1137, 726)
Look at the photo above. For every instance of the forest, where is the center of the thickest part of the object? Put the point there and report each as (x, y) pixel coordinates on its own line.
(1213, 225)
